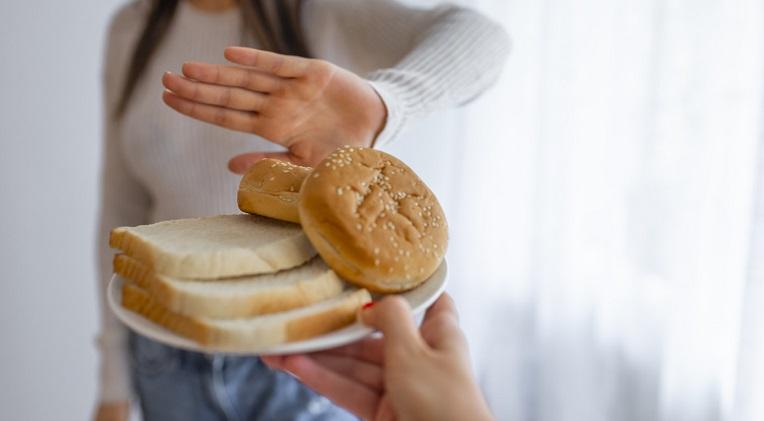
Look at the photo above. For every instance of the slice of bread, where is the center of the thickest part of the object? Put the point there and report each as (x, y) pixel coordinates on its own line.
(230, 298)
(254, 332)
(215, 247)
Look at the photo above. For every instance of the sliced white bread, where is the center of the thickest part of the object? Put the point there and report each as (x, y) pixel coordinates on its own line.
(255, 332)
(230, 298)
(215, 247)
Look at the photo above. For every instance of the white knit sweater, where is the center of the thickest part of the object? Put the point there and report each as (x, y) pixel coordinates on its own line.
(161, 165)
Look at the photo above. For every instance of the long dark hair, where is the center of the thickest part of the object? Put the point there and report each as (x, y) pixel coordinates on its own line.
(275, 24)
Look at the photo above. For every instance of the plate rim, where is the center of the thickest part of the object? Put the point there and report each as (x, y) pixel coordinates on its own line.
(344, 336)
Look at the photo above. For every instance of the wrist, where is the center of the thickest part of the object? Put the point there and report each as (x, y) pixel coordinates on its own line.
(373, 119)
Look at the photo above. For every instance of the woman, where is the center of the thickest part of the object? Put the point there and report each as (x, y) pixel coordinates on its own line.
(377, 65)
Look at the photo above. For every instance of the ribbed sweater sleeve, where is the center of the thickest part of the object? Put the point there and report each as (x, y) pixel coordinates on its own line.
(441, 57)
(123, 202)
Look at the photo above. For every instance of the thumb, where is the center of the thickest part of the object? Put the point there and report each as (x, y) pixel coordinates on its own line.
(239, 164)
(392, 316)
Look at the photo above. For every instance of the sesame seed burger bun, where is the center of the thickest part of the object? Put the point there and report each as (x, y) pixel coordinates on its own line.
(373, 220)
(271, 188)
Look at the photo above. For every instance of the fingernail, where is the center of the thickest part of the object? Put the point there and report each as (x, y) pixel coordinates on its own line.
(367, 305)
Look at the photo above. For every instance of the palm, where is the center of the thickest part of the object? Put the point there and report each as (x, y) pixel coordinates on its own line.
(310, 107)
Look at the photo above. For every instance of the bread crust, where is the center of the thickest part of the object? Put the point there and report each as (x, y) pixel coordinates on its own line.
(140, 301)
(266, 331)
(271, 188)
(318, 285)
(373, 220)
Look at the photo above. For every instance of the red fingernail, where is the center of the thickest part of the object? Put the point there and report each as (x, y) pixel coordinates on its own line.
(367, 305)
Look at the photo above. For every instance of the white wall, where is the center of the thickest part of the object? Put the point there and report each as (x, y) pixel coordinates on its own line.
(49, 153)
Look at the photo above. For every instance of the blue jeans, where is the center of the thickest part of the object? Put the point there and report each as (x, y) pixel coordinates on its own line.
(174, 384)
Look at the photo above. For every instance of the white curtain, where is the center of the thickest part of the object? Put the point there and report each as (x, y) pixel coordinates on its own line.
(607, 247)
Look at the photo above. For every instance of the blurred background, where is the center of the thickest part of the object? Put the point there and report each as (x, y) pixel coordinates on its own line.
(605, 199)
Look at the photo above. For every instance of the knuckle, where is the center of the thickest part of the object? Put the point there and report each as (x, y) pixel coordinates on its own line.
(246, 80)
(277, 64)
(261, 102)
(218, 77)
(320, 70)
(220, 117)
(194, 91)
(226, 97)
(188, 108)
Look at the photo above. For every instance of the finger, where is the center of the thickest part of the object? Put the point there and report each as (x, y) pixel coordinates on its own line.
(360, 371)
(222, 96)
(370, 350)
(266, 61)
(393, 317)
(231, 119)
(443, 305)
(440, 328)
(219, 74)
(385, 410)
(352, 395)
(273, 361)
(241, 163)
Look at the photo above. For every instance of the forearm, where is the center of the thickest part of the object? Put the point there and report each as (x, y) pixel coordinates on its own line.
(453, 61)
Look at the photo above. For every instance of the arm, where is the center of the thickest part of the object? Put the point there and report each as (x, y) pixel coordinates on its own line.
(123, 202)
(438, 58)
(410, 373)
(423, 59)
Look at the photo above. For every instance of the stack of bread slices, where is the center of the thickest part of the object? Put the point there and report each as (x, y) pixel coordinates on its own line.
(232, 281)
(253, 280)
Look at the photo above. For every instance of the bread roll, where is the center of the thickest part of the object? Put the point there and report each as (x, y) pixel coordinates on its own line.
(271, 188)
(216, 246)
(373, 220)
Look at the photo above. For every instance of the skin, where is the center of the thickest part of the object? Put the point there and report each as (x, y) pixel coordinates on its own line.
(409, 374)
(112, 411)
(310, 107)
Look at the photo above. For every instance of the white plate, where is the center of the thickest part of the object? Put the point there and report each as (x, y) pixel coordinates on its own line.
(420, 298)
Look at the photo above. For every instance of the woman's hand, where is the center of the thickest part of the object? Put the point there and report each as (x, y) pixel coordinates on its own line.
(112, 411)
(309, 106)
(409, 374)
